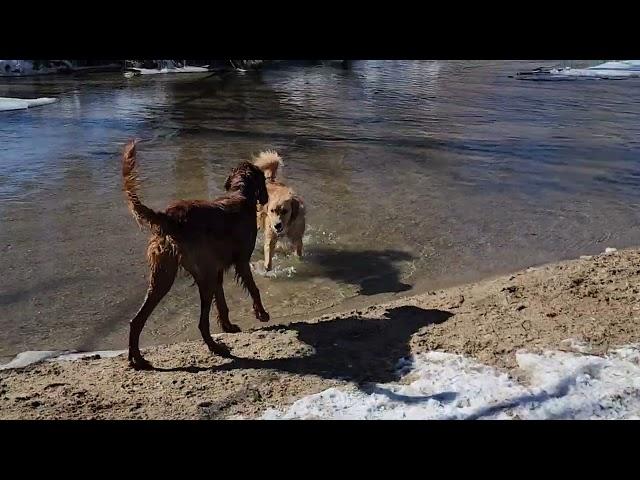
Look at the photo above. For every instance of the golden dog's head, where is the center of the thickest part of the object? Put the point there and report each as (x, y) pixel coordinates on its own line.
(282, 209)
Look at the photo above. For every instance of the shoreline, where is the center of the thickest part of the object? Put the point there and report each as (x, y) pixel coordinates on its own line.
(248, 323)
(584, 306)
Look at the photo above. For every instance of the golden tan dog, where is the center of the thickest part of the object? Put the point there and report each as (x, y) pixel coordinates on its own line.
(284, 214)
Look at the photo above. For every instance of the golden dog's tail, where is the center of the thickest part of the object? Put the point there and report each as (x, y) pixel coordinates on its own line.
(158, 222)
(269, 161)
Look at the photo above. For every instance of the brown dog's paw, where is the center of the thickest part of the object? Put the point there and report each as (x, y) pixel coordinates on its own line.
(263, 316)
(139, 363)
(219, 349)
(230, 328)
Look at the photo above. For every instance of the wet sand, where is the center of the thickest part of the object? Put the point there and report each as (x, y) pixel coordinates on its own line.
(593, 300)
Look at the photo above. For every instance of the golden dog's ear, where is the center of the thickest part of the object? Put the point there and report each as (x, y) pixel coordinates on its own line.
(295, 208)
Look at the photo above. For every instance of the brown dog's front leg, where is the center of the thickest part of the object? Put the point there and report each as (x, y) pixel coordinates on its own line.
(223, 310)
(206, 297)
(243, 270)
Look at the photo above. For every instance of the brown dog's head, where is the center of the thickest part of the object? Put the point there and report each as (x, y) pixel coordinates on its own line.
(282, 209)
(249, 180)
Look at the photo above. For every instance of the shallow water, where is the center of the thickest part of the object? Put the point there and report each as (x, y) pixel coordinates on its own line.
(416, 175)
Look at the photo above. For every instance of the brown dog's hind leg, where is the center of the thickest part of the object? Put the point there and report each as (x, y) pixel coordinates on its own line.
(221, 306)
(243, 270)
(207, 289)
(164, 267)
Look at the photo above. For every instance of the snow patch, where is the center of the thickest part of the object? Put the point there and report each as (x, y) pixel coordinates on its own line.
(439, 385)
(35, 356)
(612, 70)
(7, 103)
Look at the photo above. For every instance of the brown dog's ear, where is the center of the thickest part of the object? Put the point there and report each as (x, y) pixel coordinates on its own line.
(295, 208)
(233, 173)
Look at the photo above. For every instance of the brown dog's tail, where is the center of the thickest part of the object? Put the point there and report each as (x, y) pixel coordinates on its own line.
(269, 161)
(158, 222)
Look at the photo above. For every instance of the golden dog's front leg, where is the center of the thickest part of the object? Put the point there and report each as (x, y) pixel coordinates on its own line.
(297, 244)
(269, 246)
(260, 218)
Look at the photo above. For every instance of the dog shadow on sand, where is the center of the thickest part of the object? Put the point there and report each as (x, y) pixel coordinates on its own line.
(356, 349)
(373, 271)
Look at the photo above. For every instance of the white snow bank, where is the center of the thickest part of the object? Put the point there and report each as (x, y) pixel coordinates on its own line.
(27, 358)
(608, 70)
(628, 65)
(586, 73)
(7, 103)
(15, 67)
(161, 71)
(446, 386)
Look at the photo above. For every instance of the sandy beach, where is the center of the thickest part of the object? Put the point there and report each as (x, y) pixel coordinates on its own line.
(586, 308)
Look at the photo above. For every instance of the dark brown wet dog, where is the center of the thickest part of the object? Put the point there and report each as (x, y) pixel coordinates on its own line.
(205, 238)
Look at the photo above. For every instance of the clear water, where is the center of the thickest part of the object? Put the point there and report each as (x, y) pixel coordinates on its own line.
(417, 175)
